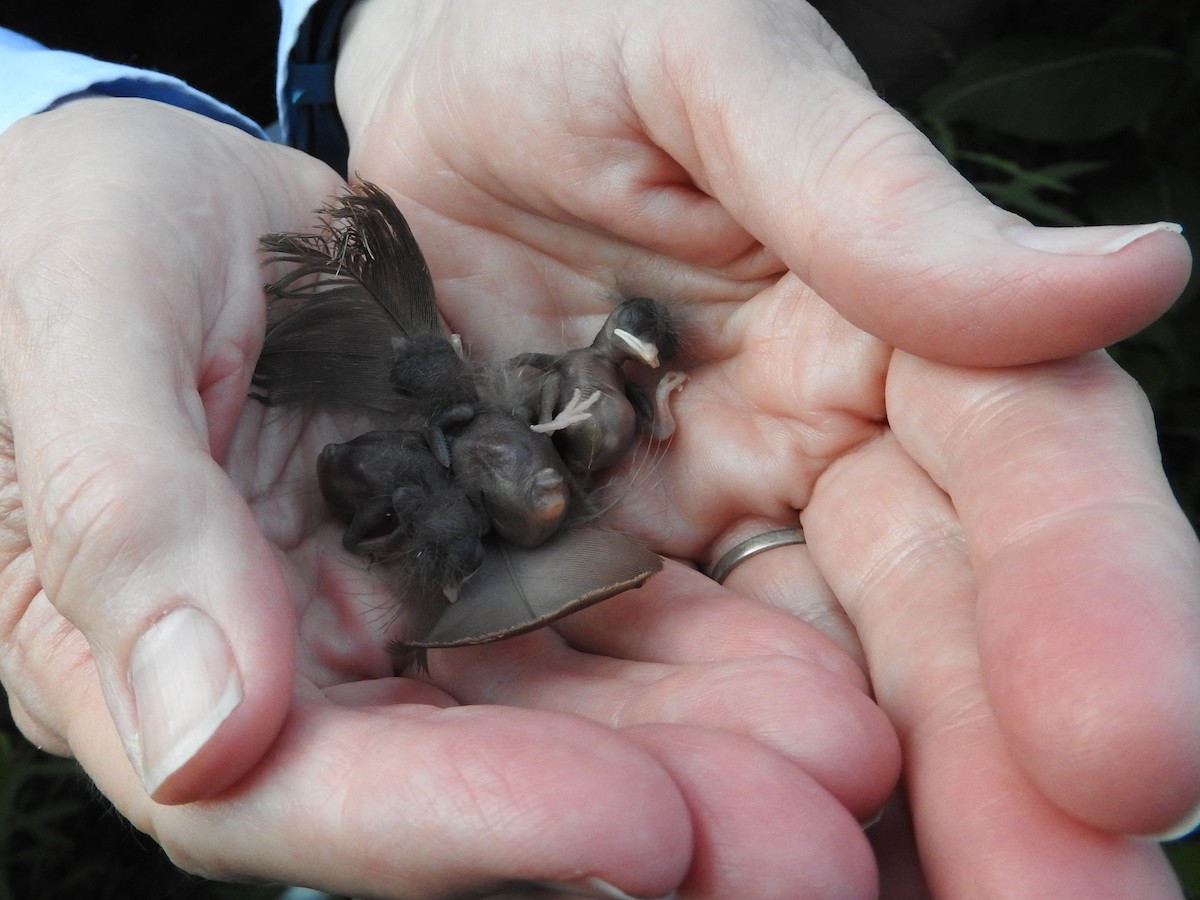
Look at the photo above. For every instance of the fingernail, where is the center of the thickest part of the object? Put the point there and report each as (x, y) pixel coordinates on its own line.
(592, 887)
(1189, 824)
(872, 821)
(1096, 240)
(185, 684)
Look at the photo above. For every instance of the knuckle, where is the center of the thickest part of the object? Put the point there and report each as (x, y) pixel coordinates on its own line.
(37, 730)
(96, 519)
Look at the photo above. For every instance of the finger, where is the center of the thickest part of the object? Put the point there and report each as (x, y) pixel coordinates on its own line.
(903, 570)
(417, 801)
(683, 617)
(786, 578)
(747, 806)
(41, 659)
(159, 562)
(779, 697)
(145, 546)
(1088, 572)
(859, 205)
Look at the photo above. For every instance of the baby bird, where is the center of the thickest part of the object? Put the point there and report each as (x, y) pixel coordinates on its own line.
(402, 506)
(582, 396)
(514, 473)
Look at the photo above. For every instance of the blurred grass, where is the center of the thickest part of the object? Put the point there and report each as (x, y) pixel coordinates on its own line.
(1071, 113)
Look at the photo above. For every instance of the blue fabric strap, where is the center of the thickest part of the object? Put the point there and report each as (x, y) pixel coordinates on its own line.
(317, 127)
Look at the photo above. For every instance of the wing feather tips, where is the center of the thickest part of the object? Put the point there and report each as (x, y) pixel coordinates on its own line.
(533, 587)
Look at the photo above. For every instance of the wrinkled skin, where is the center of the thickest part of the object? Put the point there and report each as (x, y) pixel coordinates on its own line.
(143, 491)
(1018, 577)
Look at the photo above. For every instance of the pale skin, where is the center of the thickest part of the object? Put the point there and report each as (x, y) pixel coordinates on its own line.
(1020, 583)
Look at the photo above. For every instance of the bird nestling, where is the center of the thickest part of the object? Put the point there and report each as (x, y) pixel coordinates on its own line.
(463, 487)
(592, 380)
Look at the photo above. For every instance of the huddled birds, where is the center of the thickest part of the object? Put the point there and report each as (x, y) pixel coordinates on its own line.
(473, 486)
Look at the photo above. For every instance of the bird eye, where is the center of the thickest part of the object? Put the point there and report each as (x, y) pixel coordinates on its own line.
(631, 316)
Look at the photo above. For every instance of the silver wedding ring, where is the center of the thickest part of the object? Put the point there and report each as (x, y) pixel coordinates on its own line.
(760, 543)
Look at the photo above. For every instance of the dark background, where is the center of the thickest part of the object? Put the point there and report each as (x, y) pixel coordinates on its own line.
(1068, 113)
(224, 48)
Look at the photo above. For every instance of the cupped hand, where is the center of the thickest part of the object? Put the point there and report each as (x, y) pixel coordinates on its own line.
(1002, 539)
(178, 614)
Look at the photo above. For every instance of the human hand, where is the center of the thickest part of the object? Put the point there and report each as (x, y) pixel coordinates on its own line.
(178, 614)
(1002, 539)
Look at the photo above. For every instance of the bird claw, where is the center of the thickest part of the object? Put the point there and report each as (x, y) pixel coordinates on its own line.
(573, 413)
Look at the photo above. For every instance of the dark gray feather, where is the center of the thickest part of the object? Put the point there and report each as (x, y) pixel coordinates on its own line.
(359, 285)
(518, 590)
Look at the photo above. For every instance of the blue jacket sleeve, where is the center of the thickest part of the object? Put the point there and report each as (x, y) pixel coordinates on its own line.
(34, 78)
(294, 15)
(308, 45)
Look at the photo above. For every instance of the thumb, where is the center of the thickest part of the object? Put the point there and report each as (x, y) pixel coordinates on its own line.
(158, 562)
(143, 543)
(771, 118)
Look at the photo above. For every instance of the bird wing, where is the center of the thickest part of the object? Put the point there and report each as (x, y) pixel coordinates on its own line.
(518, 590)
(359, 285)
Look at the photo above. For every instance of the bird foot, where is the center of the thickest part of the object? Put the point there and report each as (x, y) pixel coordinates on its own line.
(573, 413)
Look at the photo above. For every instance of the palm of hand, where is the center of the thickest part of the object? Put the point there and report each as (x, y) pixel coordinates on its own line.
(918, 480)
(732, 670)
(530, 257)
(679, 651)
(762, 458)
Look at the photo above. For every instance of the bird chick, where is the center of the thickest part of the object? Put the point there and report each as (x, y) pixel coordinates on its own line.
(583, 396)
(401, 506)
(515, 473)
(510, 471)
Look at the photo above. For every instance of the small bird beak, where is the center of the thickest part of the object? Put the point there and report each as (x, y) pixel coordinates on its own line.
(451, 592)
(550, 496)
(646, 351)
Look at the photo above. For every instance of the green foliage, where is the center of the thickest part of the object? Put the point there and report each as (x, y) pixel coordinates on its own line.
(1081, 114)
(32, 835)
(1185, 857)
(1059, 90)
